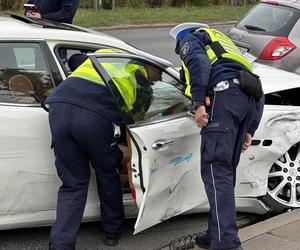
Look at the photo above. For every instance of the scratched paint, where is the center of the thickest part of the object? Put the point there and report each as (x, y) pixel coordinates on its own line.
(180, 159)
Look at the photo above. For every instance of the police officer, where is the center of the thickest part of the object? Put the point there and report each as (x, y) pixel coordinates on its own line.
(55, 10)
(214, 67)
(81, 116)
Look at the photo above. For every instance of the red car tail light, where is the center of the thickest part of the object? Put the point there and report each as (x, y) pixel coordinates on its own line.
(277, 48)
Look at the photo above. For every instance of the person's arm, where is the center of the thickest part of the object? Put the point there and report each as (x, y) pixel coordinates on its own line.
(192, 51)
(258, 114)
(67, 11)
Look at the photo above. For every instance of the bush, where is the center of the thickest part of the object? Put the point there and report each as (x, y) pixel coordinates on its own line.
(158, 3)
(11, 4)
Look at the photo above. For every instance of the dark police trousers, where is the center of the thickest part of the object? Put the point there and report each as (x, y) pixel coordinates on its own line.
(230, 114)
(80, 138)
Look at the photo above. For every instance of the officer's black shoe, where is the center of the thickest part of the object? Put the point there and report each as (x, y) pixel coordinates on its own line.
(111, 240)
(201, 241)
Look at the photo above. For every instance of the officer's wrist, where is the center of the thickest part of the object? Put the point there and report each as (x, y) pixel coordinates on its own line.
(195, 105)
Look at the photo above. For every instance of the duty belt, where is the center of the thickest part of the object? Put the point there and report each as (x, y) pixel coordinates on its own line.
(223, 85)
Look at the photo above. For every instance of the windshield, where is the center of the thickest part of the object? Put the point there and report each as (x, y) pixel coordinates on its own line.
(269, 19)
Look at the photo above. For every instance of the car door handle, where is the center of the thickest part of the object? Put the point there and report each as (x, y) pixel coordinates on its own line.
(161, 143)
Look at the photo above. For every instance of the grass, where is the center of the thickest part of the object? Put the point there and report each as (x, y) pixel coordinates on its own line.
(128, 16)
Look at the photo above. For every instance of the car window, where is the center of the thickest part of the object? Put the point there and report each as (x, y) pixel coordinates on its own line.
(65, 56)
(24, 75)
(156, 93)
(270, 19)
(284, 97)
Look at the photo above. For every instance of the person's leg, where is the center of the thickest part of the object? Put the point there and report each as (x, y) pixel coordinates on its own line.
(73, 169)
(242, 130)
(218, 144)
(106, 158)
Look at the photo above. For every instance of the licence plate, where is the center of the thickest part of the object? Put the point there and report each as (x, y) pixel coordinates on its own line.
(243, 50)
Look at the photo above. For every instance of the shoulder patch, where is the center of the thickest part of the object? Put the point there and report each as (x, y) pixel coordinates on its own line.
(184, 49)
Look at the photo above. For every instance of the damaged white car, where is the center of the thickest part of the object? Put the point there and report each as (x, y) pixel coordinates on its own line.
(160, 171)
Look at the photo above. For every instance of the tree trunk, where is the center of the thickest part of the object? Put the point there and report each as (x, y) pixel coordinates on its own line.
(113, 5)
(95, 4)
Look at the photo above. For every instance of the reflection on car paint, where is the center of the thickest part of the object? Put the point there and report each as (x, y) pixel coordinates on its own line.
(12, 156)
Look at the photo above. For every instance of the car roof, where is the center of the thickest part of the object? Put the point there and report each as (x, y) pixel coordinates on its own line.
(18, 27)
(274, 79)
(290, 3)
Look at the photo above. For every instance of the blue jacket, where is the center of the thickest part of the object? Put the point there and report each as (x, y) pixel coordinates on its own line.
(204, 76)
(88, 95)
(56, 10)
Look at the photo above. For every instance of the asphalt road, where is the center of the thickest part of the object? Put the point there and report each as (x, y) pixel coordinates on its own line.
(157, 42)
(90, 235)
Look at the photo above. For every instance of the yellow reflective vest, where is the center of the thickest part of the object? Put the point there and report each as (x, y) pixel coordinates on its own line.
(221, 47)
(122, 75)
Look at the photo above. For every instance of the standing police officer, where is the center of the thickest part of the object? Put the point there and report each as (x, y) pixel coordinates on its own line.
(81, 116)
(55, 10)
(214, 67)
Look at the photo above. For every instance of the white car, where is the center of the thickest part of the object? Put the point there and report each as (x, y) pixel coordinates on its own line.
(161, 167)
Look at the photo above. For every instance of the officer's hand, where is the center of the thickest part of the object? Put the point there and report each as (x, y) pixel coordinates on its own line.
(247, 142)
(201, 117)
(33, 14)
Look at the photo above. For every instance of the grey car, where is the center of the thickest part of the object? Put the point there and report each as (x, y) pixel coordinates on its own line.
(271, 32)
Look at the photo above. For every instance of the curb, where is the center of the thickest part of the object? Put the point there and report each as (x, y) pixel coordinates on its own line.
(152, 26)
(268, 225)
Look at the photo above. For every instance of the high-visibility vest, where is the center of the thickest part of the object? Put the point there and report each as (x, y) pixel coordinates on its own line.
(122, 75)
(221, 47)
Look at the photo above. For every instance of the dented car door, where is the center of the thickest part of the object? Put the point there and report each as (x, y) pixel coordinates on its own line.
(165, 140)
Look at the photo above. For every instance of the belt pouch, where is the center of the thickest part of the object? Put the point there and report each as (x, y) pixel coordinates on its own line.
(250, 83)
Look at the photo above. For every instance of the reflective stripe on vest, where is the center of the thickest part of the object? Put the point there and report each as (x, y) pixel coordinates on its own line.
(231, 50)
(187, 80)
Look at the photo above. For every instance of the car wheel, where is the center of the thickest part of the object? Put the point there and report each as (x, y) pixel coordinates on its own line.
(283, 190)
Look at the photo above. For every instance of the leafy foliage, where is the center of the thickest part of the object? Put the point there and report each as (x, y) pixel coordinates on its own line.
(11, 4)
(106, 4)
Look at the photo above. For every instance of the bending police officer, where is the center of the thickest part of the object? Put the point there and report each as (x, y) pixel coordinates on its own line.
(81, 116)
(213, 66)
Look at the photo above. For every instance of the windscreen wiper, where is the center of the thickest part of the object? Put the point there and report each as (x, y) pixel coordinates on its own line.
(252, 27)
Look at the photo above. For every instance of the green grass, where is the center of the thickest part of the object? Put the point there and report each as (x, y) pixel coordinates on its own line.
(127, 16)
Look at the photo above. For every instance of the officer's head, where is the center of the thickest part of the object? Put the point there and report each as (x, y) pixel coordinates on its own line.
(183, 29)
(153, 73)
(76, 60)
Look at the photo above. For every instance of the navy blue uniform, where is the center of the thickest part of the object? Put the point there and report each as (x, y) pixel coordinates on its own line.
(56, 10)
(231, 115)
(82, 134)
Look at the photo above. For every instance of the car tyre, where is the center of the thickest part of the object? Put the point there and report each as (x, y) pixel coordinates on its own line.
(283, 191)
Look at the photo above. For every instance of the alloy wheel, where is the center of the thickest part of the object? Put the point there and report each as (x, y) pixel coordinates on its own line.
(284, 178)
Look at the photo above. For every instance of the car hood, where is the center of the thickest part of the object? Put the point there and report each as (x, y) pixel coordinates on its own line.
(274, 79)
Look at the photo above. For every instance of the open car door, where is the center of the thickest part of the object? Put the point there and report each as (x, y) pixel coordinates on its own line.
(165, 140)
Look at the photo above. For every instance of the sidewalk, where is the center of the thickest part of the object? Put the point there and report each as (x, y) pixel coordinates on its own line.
(281, 232)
